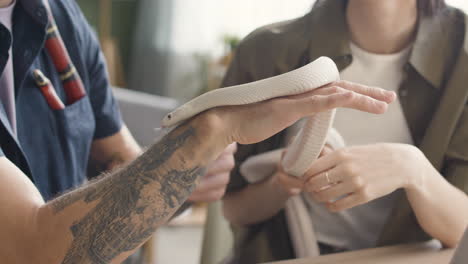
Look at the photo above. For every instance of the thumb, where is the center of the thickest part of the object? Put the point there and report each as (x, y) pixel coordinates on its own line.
(327, 149)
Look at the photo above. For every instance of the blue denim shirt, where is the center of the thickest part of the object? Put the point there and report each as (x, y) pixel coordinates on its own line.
(52, 146)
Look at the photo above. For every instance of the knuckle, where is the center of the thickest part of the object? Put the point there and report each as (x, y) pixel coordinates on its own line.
(342, 154)
(292, 191)
(231, 162)
(221, 193)
(334, 89)
(314, 99)
(345, 83)
(225, 179)
(350, 170)
(340, 89)
(357, 182)
(352, 96)
(365, 193)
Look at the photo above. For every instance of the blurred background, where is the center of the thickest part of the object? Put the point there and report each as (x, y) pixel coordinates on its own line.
(168, 47)
(177, 49)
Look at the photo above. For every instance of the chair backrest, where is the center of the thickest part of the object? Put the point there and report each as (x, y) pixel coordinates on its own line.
(143, 112)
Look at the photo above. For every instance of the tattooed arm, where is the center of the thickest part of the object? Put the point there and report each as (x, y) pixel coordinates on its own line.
(112, 215)
(106, 220)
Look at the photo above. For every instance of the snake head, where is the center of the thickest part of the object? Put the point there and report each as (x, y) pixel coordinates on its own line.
(167, 120)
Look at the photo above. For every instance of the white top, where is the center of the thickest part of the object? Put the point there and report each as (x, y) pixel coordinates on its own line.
(360, 227)
(7, 86)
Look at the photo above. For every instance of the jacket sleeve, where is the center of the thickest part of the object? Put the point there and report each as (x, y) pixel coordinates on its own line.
(456, 164)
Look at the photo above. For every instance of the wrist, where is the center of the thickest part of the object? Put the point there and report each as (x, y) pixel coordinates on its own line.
(214, 124)
(211, 131)
(421, 168)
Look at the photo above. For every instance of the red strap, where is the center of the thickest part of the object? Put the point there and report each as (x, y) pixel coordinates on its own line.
(71, 80)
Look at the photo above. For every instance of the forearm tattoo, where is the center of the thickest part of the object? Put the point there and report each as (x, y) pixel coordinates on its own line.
(133, 201)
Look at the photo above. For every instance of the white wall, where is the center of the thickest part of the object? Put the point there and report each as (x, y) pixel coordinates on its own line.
(199, 25)
(463, 4)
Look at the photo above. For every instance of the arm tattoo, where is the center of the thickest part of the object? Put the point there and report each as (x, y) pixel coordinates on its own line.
(133, 201)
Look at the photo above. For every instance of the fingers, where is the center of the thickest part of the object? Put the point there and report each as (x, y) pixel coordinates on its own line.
(326, 150)
(374, 92)
(230, 149)
(327, 162)
(344, 188)
(212, 185)
(213, 182)
(346, 94)
(292, 185)
(207, 197)
(224, 163)
(323, 180)
(343, 86)
(345, 203)
(333, 193)
(319, 103)
(363, 103)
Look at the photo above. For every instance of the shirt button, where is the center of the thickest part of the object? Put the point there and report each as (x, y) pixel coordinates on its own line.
(40, 12)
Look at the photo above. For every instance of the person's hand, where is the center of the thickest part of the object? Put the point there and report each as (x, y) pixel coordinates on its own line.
(291, 185)
(327, 149)
(287, 184)
(353, 176)
(212, 185)
(247, 124)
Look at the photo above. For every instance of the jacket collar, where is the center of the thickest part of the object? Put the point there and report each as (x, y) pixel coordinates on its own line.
(466, 34)
(329, 34)
(36, 9)
(432, 48)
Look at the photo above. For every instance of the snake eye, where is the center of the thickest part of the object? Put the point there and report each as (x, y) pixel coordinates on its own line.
(169, 116)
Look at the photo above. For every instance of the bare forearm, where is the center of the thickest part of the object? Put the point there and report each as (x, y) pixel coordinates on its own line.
(114, 151)
(105, 220)
(255, 203)
(441, 208)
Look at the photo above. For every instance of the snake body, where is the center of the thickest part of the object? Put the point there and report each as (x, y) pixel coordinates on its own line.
(308, 143)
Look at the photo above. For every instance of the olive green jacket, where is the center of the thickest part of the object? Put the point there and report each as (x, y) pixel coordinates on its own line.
(433, 96)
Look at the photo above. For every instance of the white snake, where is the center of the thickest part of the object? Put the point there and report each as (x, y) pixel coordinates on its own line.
(310, 140)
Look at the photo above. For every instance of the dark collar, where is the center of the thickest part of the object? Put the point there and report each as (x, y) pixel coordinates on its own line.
(328, 30)
(432, 49)
(438, 39)
(36, 9)
(466, 34)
